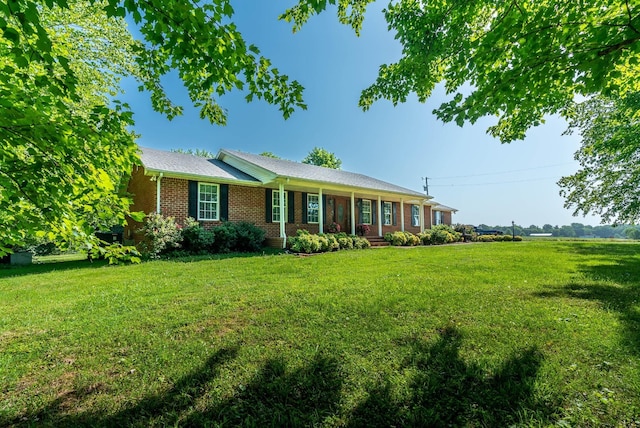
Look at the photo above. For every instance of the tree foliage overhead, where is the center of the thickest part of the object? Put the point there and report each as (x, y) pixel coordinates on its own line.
(518, 60)
(609, 157)
(321, 157)
(64, 142)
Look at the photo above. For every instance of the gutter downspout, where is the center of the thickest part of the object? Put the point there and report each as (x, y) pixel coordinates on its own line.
(283, 232)
(380, 214)
(353, 214)
(320, 212)
(158, 180)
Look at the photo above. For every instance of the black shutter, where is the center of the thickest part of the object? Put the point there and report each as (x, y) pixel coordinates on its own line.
(394, 213)
(374, 212)
(224, 202)
(291, 197)
(193, 199)
(359, 205)
(268, 211)
(305, 203)
(325, 220)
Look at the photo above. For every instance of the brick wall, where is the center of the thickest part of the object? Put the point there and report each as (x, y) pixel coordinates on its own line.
(245, 204)
(143, 191)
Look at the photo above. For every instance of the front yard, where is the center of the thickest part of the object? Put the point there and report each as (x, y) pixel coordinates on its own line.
(496, 334)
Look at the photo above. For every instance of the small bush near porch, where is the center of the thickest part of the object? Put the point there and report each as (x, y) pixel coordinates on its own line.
(522, 334)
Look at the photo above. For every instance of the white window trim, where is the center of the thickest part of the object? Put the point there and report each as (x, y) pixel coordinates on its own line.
(415, 217)
(309, 195)
(275, 207)
(363, 211)
(390, 212)
(217, 202)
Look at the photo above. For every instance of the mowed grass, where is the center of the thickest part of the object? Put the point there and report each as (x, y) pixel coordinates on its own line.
(496, 334)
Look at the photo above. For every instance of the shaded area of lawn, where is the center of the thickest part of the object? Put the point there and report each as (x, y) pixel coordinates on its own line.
(447, 391)
(444, 390)
(611, 274)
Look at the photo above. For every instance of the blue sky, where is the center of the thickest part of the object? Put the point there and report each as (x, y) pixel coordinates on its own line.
(488, 182)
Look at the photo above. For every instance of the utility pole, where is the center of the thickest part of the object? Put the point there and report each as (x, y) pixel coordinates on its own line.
(426, 185)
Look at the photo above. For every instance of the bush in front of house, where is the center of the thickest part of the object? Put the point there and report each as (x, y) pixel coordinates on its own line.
(249, 237)
(444, 234)
(195, 238)
(305, 242)
(162, 235)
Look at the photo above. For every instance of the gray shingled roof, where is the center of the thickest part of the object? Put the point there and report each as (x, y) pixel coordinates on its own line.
(285, 168)
(190, 165)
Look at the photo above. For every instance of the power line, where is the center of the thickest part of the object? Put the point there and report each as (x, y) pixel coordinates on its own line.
(501, 172)
(495, 182)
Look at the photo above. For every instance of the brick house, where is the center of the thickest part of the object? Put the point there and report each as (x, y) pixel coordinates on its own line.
(277, 195)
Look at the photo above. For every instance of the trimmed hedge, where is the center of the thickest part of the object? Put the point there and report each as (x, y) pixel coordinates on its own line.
(305, 242)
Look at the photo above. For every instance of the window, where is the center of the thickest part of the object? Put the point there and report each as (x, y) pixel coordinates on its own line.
(388, 213)
(415, 215)
(275, 213)
(366, 211)
(208, 202)
(437, 217)
(313, 207)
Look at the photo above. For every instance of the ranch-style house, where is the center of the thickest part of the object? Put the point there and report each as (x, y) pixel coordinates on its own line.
(277, 195)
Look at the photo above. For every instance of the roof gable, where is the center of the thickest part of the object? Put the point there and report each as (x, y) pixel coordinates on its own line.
(190, 166)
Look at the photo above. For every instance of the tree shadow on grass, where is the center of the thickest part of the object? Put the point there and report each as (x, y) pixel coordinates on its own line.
(7, 271)
(612, 274)
(277, 397)
(274, 397)
(447, 391)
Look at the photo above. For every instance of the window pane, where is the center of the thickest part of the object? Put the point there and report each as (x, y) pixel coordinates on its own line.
(387, 213)
(313, 206)
(207, 201)
(366, 211)
(275, 212)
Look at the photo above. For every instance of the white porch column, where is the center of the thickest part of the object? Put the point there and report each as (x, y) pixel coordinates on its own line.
(353, 214)
(380, 214)
(320, 212)
(421, 216)
(402, 214)
(283, 231)
(158, 189)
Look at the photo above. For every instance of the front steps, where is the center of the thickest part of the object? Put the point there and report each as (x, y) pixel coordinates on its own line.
(377, 241)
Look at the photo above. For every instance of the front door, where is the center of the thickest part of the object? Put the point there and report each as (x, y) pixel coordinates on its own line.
(342, 214)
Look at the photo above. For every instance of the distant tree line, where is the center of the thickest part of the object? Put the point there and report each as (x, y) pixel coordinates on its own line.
(575, 230)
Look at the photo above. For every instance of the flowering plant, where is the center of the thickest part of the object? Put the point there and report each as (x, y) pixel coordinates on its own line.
(333, 227)
(363, 229)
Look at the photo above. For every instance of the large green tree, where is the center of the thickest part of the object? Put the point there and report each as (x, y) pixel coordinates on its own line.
(64, 142)
(322, 157)
(517, 60)
(609, 157)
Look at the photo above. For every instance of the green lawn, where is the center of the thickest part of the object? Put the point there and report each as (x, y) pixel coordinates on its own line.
(526, 333)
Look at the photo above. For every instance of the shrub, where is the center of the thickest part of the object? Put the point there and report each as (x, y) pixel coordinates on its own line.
(305, 242)
(444, 234)
(412, 239)
(249, 237)
(486, 238)
(363, 229)
(195, 238)
(225, 238)
(360, 243)
(161, 233)
(425, 237)
(346, 243)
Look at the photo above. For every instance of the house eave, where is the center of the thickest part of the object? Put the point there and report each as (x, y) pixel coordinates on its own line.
(151, 172)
